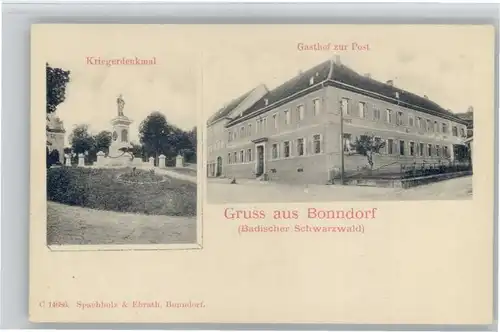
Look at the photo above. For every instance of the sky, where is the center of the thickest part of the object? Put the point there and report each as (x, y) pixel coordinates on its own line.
(200, 68)
(452, 65)
(168, 87)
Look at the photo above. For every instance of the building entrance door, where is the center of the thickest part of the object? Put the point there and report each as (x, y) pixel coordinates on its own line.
(260, 160)
(218, 172)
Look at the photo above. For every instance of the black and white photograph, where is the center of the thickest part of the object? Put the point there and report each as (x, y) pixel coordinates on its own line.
(346, 122)
(121, 150)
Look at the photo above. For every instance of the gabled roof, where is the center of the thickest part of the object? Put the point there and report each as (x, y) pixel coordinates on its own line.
(292, 86)
(344, 74)
(469, 116)
(334, 73)
(226, 110)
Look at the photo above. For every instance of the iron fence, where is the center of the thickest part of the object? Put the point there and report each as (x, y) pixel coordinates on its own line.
(398, 170)
(426, 169)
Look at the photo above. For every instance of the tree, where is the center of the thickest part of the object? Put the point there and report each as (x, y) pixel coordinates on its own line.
(56, 79)
(187, 145)
(47, 159)
(158, 136)
(366, 145)
(192, 137)
(81, 140)
(102, 141)
(137, 150)
(54, 157)
(153, 134)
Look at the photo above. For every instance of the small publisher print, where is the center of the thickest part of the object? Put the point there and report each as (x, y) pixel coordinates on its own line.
(185, 305)
(134, 304)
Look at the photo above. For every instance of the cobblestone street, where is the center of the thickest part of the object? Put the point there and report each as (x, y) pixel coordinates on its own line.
(220, 191)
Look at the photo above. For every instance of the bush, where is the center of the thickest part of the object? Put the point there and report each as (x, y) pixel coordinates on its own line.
(100, 189)
(141, 176)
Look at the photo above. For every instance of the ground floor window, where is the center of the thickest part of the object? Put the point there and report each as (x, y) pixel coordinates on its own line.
(412, 148)
(286, 149)
(249, 155)
(275, 151)
(235, 157)
(438, 152)
(402, 148)
(429, 150)
(229, 158)
(390, 146)
(421, 150)
(317, 144)
(211, 169)
(300, 147)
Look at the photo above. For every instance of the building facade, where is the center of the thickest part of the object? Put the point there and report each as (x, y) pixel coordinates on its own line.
(217, 129)
(55, 135)
(299, 131)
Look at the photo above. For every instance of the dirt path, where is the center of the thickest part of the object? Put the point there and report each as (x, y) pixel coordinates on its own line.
(76, 225)
(172, 173)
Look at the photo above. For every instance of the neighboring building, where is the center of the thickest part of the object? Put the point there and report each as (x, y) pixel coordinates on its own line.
(55, 135)
(216, 128)
(469, 118)
(470, 141)
(293, 133)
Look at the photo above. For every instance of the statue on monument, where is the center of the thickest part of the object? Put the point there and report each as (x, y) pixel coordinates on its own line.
(121, 105)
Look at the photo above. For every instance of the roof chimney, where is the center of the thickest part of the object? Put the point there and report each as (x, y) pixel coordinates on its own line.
(390, 82)
(266, 101)
(426, 97)
(368, 75)
(337, 59)
(311, 80)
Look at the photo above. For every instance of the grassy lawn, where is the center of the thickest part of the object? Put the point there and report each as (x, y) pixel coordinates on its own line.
(122, 191)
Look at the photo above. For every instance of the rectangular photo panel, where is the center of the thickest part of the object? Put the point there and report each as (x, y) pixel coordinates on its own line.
(121, 138)
(350, 119)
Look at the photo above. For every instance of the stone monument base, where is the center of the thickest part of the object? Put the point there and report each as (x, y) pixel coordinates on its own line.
(124, 160)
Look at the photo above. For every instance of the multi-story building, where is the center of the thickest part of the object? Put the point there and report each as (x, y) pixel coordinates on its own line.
(216, 128)
(299, 130)
(469, 118)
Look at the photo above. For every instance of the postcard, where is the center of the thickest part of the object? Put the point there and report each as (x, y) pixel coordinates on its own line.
(336, 174)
